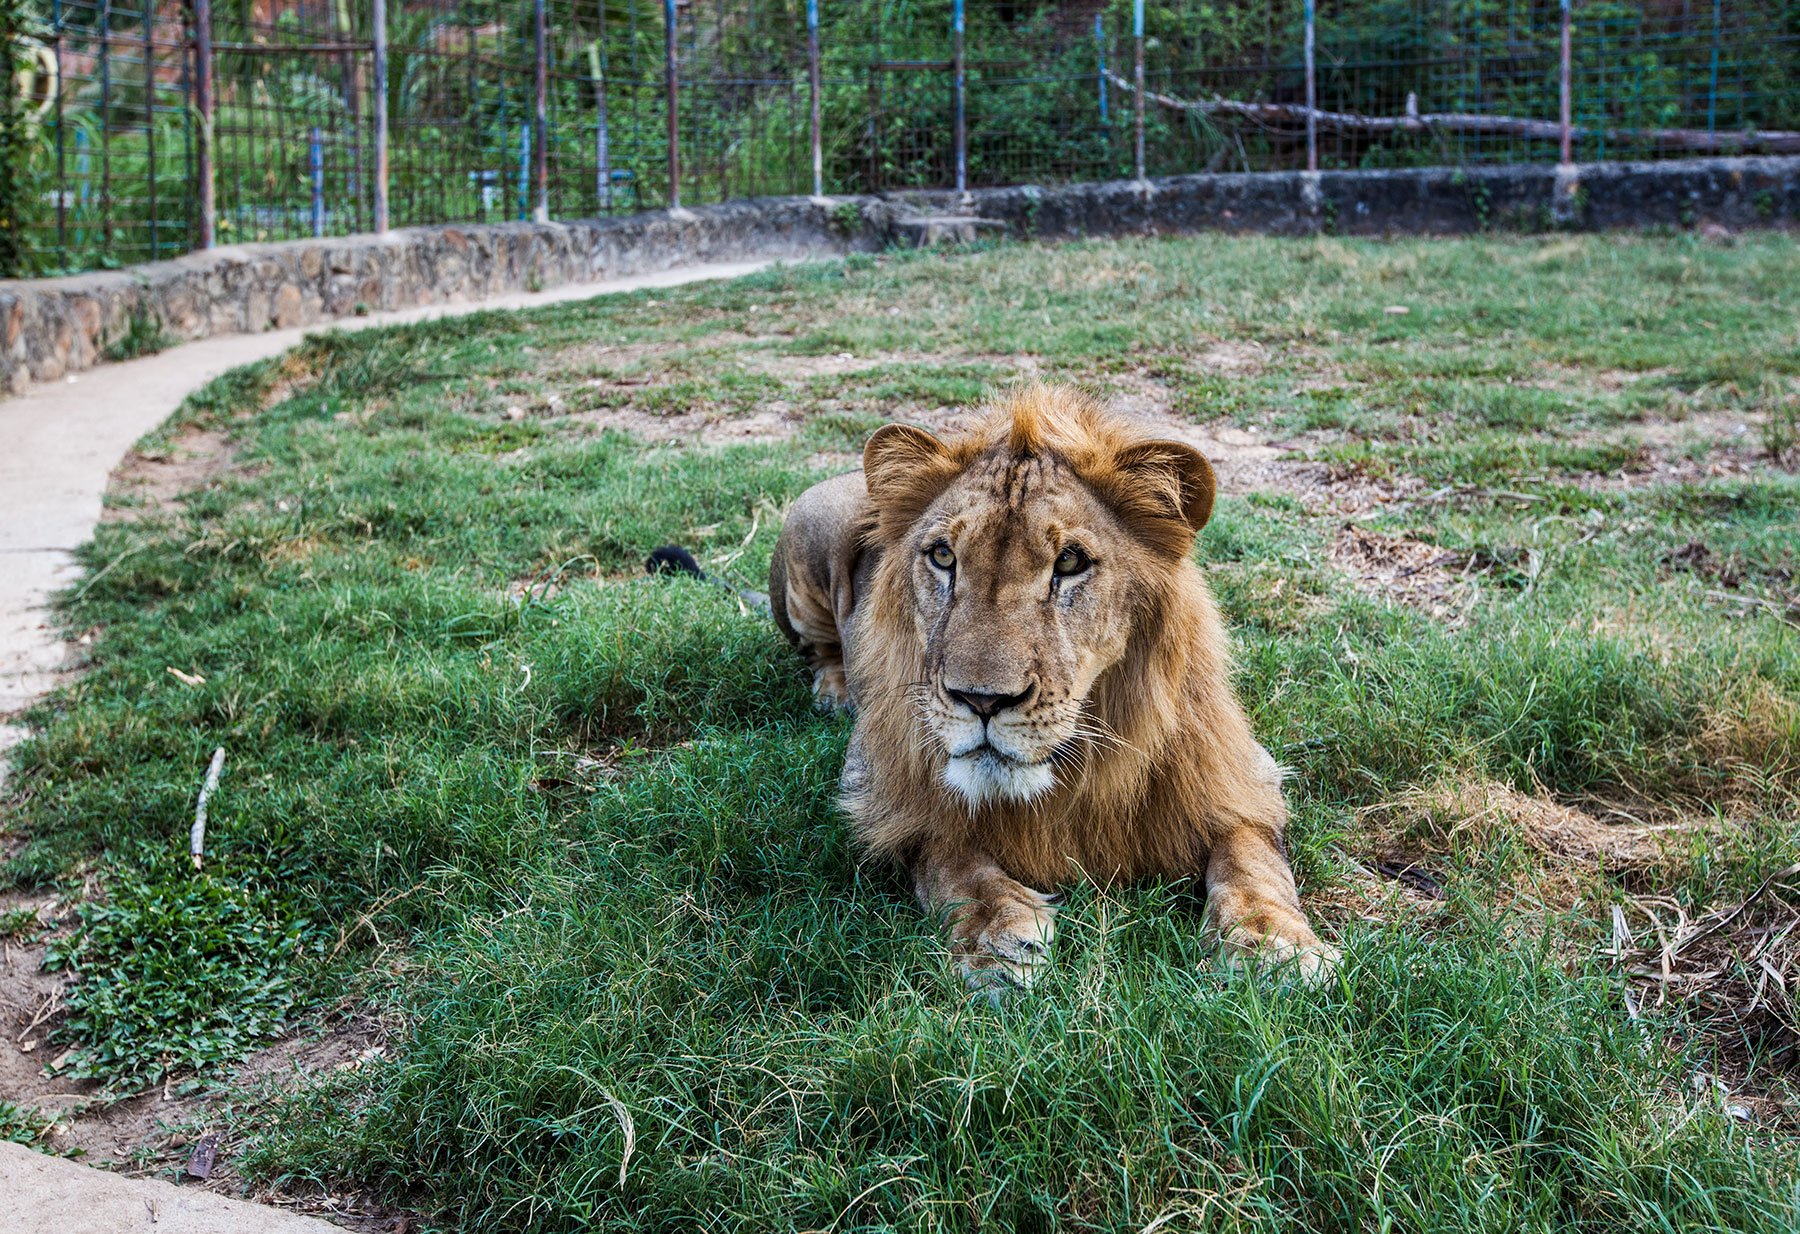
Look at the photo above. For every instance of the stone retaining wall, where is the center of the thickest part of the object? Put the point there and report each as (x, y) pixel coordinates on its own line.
(49, 327)
(1730, 193)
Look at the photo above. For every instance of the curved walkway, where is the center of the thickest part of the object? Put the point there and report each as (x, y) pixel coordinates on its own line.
(59, 443)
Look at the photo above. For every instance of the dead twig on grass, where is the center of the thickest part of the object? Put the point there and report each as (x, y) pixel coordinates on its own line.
(197, 836)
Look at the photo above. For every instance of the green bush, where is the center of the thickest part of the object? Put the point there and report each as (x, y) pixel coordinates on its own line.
(179, 970)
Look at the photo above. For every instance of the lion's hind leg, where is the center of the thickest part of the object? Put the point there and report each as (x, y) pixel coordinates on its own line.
(811, 581)
(815, 636)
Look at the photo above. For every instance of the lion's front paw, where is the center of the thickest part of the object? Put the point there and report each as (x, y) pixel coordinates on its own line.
(1304, 956)
(831, 692)
(1001, 944)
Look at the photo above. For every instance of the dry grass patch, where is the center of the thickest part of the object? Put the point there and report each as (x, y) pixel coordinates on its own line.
(1734, 970)
(1478, 815)
(1403, 570)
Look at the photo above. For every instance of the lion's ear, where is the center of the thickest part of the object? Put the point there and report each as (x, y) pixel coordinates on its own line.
(1166, 489)
(905, 469)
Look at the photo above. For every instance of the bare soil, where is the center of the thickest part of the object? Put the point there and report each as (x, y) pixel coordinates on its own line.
(146, 484)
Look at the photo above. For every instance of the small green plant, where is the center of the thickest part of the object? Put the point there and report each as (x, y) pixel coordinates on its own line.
(144, 336)
(177, 971)
(1781, 431)
(534, 281)
(1028, 219)
(19, 1125)
(1481, 200)
(846, 218)
(1578, 205)
(1765, 205)
(19, 924)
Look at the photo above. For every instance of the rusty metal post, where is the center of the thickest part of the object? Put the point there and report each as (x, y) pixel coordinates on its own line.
(671, 85)
(959, 88)
(812, 68)
(540, 168)
(1567, 102)
(378, 32)
(1137, 35)
(1312, 95)
(203, 109)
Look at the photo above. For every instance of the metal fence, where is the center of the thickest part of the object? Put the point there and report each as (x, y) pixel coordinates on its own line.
(148, 128)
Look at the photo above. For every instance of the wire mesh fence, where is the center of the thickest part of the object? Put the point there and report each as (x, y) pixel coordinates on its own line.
(123, 112)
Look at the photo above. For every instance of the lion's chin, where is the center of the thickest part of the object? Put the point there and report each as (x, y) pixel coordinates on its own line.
(985, 775)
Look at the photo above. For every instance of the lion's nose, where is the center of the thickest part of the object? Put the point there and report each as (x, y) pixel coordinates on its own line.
(986, 705)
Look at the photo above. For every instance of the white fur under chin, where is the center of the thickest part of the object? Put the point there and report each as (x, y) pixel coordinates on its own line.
(985, 776)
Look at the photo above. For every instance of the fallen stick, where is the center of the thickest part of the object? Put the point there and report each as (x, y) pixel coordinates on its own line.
(197, 837)
(1273, 115)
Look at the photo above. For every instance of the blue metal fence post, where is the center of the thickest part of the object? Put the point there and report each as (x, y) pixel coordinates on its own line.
(1566, 92)
(1312, 95)
(1100, 59)
(1137, 34)
(812, 68)
(602, 135)
(958, 69)
(1712, 80)
(540, 211)
(378, 28)
(316, 158)
(672, 86)
(524, 171)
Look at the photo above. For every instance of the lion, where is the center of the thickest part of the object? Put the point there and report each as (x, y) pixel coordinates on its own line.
(1039, 677)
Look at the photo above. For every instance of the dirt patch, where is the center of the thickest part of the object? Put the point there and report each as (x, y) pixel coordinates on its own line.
(1685, 449)
(598, 358)
(1425, 576)
(790, 367)
(1231, 358)
(147, 484)
(774, 421)
(1244, 458)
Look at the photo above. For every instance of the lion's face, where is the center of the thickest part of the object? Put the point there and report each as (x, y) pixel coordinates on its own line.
(1025, 584)
(1022, 586)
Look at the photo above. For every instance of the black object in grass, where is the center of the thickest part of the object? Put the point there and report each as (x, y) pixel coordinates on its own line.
(673, 559)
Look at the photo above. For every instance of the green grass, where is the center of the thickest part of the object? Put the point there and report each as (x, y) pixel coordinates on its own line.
(582, 845)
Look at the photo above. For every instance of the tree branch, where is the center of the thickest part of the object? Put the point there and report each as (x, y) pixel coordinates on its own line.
(1278, 115)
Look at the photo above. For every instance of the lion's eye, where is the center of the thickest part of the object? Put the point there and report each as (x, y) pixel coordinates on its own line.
(941, 556)
(1071, 561)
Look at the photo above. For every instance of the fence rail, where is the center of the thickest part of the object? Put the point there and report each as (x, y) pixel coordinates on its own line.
(143, 129)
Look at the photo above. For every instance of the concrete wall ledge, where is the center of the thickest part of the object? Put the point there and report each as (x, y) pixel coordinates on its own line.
(52, 327)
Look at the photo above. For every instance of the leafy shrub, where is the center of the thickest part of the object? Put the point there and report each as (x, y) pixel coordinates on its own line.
(179, 971)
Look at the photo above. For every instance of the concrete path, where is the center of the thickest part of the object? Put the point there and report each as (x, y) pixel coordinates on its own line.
(51, 1195)
(59, 443)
